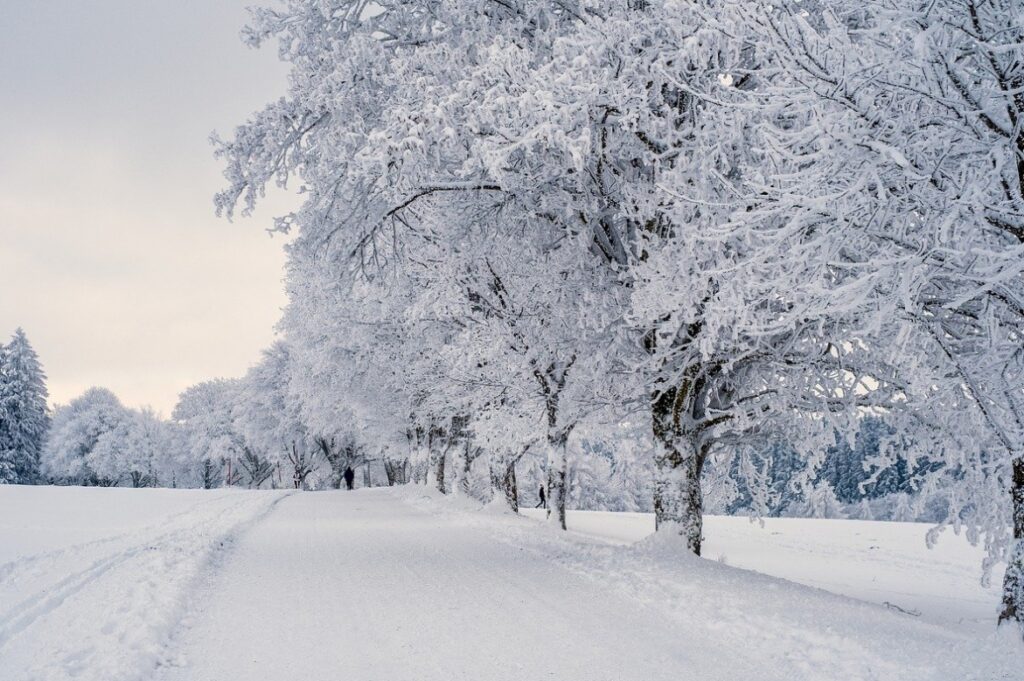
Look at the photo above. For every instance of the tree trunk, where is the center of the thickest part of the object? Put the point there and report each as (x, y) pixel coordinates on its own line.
(1013, 582)
(439, 473)
(209, 474)
(467, 464)
(510, 486)
(420, 462)
(557, 475)
(503, 480)
(678, 501)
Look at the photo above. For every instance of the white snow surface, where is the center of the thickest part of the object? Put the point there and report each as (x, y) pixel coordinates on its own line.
(879, 562)
(94, 581)
(398, 584)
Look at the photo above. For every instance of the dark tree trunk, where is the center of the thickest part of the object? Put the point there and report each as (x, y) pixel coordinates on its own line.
(557, 477)
(256, 467)
(678, 500)
(302, 465)
(552, 382)
(209, 474)
(233, 476)
(503, 479)
(469, 453)
(334, 457)
(1013, 583)
(439, 473)
(397, 472)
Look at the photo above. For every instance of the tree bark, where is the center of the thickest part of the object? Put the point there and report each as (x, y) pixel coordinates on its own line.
(468, 455)
(557, 475)
(439, 473)
(209, 474)
(678, 500)
(503, 479)
(1013, 583)
(552, 382)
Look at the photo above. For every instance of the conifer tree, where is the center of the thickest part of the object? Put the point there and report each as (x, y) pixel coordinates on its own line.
(23, 413)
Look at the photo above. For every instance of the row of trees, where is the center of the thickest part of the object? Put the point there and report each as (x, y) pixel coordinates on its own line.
(729, 222)
(222, 433)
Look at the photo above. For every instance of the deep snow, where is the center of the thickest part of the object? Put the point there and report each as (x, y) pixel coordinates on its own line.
(400, 584)
(880, 562)
(94, 581)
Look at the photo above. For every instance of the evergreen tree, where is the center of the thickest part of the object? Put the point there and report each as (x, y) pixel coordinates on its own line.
(23, 415)
(7, 469)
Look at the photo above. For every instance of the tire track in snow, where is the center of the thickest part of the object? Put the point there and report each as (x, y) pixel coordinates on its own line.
(103, 610)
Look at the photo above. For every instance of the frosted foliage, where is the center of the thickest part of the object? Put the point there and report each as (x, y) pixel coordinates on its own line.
(24, 417)
(75, 433)
(210, 438)
(130, 452)
(911, 124)
(737, 223)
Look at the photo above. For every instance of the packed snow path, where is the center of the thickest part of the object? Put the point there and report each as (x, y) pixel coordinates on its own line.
(405, 585)
(362, 587)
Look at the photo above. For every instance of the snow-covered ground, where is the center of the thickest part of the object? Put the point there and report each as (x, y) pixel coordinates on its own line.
(93, 581)
(109, 584)
(880, 562)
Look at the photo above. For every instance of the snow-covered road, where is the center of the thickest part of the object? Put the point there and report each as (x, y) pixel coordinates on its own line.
(406, 585)
(360, 586)
(364, 587)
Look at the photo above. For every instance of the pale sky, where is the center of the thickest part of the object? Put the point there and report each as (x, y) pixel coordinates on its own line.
(111, 257)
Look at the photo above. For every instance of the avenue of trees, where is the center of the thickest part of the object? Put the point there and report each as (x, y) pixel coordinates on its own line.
(708, 248)
(736, 221)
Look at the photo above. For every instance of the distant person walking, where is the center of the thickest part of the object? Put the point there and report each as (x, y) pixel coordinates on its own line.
(543, 503)
(350, 478)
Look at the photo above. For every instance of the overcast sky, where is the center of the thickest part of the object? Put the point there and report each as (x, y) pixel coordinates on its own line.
(111, 258)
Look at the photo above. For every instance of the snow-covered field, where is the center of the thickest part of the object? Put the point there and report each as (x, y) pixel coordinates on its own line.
(880, 562)
(111, 584)
(93, 581)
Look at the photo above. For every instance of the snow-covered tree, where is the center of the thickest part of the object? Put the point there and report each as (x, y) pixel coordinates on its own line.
(520, 129)
(906, 122)
(759, 219)
(8, 470)
(270, 419)
(132, 451)
(75, 432)
(212, 443)
(24, 418)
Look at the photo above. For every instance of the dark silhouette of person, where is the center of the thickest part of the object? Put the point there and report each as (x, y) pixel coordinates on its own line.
(350, 478)
(543, 503)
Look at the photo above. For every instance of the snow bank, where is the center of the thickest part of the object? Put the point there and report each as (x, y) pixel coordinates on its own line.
(880, 562)
(95, 580)
(717, 607)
